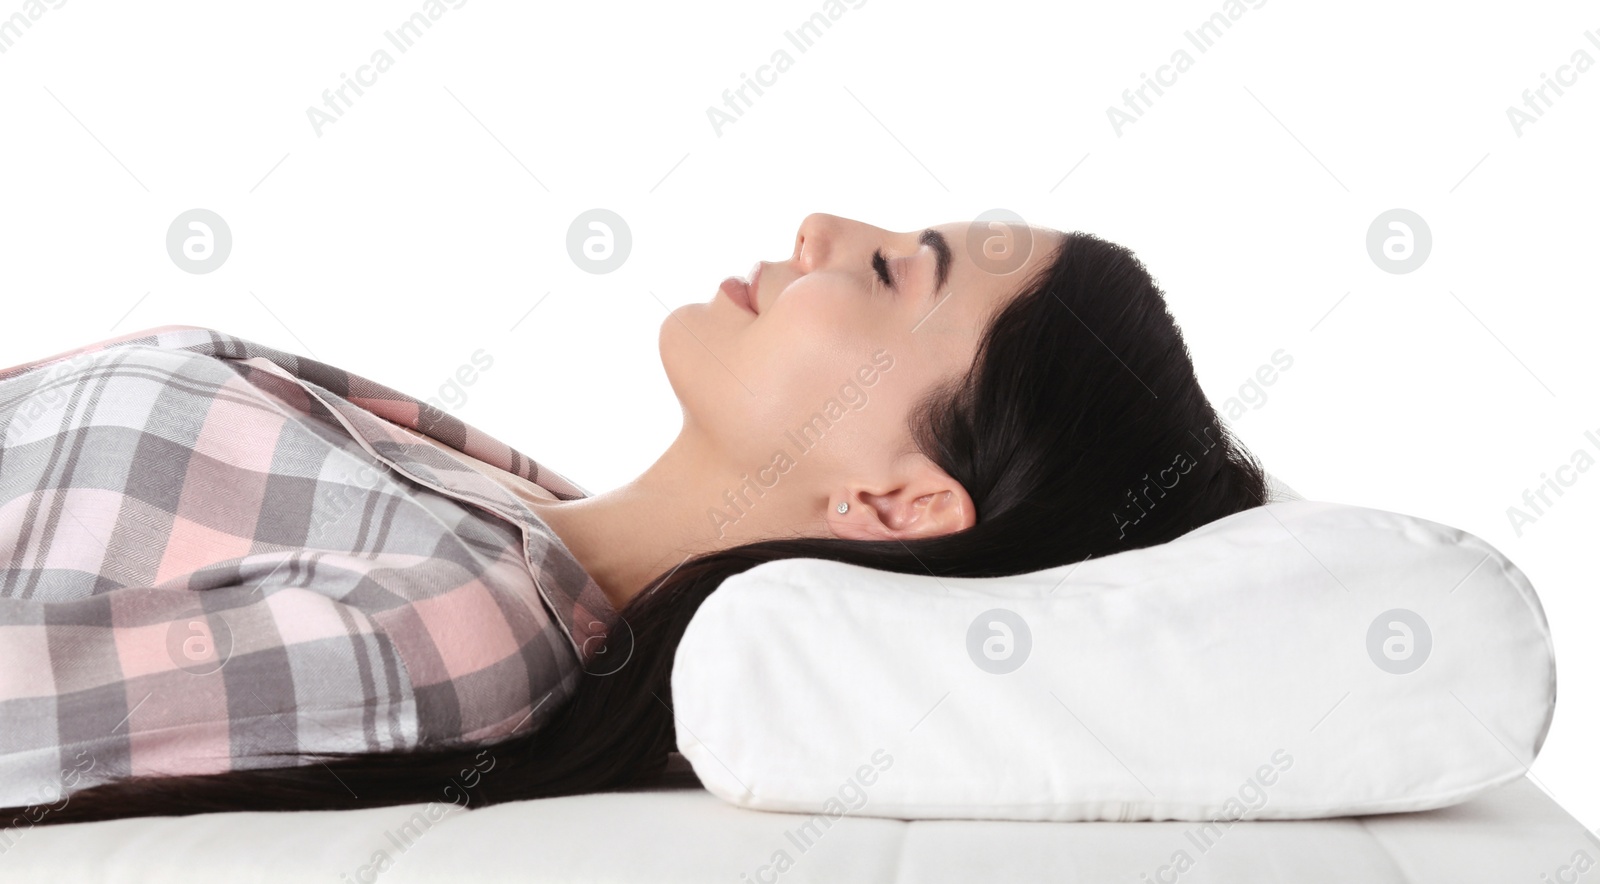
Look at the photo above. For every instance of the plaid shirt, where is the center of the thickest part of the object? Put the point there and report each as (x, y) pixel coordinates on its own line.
(211, 549)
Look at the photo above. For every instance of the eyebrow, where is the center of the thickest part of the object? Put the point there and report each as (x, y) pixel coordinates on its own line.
(941, 247)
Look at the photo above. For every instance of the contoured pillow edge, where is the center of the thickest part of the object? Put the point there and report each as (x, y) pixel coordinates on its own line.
(787, 677)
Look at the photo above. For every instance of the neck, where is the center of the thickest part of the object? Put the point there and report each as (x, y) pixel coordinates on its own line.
(626, 537)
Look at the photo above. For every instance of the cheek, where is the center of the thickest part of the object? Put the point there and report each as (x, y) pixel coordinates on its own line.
(850, 425)
(809, 337)
(797, 364)
(862, 402)
(808, 361)
(747, 382)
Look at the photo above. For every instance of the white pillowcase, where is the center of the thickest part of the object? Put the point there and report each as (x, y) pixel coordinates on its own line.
(1302, 659)
(1277, 491)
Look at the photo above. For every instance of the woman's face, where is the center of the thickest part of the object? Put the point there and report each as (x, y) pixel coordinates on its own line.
(813, 390)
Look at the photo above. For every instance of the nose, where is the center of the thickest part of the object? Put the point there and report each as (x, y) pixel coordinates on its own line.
(823, 237)
(811, 241)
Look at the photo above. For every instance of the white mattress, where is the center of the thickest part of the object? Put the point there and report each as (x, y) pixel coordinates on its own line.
(676, 831)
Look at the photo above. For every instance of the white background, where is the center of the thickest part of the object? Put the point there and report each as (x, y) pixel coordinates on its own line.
(432, 216)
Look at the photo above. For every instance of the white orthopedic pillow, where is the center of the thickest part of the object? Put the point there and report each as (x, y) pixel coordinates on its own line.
(1299, 660)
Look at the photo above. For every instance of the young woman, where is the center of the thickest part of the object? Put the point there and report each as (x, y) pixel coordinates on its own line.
(238, 579)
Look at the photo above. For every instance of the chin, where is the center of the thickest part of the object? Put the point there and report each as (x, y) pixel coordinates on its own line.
(673, 341)
(686, 341)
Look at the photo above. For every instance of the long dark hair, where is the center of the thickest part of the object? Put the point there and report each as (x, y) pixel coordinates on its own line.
(1080, 430)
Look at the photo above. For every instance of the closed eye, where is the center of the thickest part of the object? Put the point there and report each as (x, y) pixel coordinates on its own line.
(881, 267)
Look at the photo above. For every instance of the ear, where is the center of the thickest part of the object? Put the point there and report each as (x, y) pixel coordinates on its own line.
(920, 501)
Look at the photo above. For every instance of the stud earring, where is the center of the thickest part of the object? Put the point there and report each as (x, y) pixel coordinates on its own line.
(843, 507)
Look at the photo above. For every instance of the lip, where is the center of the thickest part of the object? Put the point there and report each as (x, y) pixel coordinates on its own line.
(739, 292)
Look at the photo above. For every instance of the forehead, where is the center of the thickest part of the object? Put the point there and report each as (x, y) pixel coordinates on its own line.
(996, 256)
(988, 265)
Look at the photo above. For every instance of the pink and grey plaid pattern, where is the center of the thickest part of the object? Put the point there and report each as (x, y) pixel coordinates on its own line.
(210, 548)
